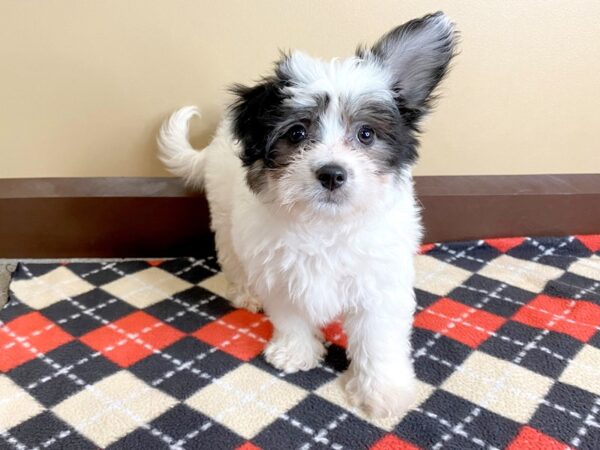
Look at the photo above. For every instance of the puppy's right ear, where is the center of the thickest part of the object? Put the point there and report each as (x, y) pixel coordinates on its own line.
(254, 114)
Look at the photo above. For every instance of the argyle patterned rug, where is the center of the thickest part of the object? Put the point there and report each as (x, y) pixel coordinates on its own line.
(149, 354)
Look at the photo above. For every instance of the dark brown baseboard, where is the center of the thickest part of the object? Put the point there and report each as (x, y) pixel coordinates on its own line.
(141, 217)
(100, 217)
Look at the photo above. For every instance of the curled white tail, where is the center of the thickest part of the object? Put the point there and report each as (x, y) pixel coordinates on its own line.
(175, 151)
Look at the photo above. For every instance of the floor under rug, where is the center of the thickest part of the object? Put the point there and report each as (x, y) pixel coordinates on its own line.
(148, 354)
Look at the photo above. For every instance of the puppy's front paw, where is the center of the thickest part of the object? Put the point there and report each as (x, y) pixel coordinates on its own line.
(381, 400)
(242, 299)
(291, 354)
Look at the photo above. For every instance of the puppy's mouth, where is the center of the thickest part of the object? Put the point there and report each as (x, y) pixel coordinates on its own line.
(335, 198)
(330, 198)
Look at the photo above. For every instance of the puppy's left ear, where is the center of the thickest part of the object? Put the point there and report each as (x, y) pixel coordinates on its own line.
(418, 54)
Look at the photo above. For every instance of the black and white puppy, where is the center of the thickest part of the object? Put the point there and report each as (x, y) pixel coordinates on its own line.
(311, 195)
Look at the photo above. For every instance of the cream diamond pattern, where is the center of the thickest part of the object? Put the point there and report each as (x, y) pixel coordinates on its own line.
(587, 267)
(217, 284)
(246, 400)
(498, 386)
(438, 277)
(523, 274)
(147, 287)
(16, 405)
(584, 370)
(45, 290)
(113, 407)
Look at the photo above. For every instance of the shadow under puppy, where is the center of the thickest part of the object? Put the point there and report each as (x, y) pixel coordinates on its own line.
(311, 196)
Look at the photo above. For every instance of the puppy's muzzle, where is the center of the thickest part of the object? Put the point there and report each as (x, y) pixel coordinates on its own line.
(331, 176)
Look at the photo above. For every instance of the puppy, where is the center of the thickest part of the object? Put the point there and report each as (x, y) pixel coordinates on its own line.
(311, 197)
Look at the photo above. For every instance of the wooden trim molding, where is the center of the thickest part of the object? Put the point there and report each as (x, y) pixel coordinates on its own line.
(100, 217)
(474, 207)
(145, 217)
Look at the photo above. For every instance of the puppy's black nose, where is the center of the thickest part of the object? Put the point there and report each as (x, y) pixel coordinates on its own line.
(331, 176)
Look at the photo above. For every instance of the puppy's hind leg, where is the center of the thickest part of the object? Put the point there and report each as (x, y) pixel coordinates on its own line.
(238, 293)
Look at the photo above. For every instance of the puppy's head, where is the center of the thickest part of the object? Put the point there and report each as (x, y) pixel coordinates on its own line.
(335, 138)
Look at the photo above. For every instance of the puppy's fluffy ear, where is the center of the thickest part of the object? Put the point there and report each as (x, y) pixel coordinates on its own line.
(252, 118)
(418, 54)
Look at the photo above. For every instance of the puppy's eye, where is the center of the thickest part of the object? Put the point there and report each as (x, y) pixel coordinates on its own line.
(366, 135)
(296, 134)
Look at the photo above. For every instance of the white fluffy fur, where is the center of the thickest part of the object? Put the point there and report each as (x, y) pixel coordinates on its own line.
(310, 262)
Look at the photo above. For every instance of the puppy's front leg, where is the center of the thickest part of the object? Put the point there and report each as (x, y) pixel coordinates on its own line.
(295, 344)
(381, 377)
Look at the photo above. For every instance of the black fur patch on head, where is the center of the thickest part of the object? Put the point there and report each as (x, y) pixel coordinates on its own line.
(260, 119)
(255, 114)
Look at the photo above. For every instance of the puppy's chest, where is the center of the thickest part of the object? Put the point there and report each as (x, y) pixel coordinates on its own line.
(321, 281)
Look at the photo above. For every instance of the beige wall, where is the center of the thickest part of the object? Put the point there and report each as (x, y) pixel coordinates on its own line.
(85, 84)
